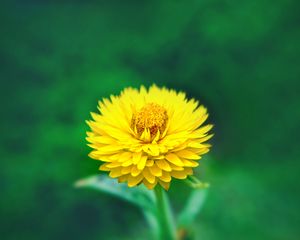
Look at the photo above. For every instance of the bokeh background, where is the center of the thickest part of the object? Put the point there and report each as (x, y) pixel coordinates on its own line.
(239, 58)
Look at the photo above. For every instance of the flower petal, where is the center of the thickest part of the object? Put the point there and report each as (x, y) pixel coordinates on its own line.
(126, 170)
(133, 181)
(104, 167)
(165, 177)
(136, 157)
(149, 177)
(115, 172)
(190, 163)
(165, 185)
(179, 174)
(155, 170)
(142, 162)
(163, 165)
(149, 185)
(187, 154)
(173, 158)
(135, 171)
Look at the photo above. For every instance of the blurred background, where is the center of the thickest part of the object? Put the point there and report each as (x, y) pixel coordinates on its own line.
(239, 58)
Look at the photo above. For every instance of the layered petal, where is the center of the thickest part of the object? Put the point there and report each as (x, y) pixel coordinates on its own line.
(149, 136)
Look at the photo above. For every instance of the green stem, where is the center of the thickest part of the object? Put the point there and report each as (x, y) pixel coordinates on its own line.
(165, 218)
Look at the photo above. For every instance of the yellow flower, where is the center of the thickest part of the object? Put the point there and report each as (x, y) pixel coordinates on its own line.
(149, 136)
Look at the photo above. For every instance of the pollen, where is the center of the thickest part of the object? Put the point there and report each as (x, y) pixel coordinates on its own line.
(152, 117)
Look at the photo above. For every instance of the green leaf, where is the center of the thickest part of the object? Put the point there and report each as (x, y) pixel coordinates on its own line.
(194, 203)
(139, 195)
(192, 207)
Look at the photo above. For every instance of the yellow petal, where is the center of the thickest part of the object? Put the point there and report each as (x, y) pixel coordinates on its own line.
(109, 149)
(153, 149)
(127, 163)
(198, 145)
(104, 167)
(115, 172)
(162, 164)
(146, 136)
(148, 184)
(136, 157)
(124, 156)
(149, 163)
(122, 179)
(133, 181)
(96, 156)
(126, 170)
(104, 140)
(113, 165)
(173, 158)
(156, 138)
(90, 134)
(149, 177)
(204, 129)
(165, 177)
(135, 171)
(203, 139)
(175, 167)
(203, 151)
(165, 185)
(142, 162)
(155, 170)
(187, 154)
(114, 132)
(189, 171)
(189, 163)
(179, 174)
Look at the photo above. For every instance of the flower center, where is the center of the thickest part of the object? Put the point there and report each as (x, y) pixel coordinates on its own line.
(153, 117)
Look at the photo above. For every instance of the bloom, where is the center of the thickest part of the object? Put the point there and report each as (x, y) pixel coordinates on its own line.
(149, 136)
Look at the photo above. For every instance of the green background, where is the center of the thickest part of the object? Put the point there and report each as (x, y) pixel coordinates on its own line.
(239, 58)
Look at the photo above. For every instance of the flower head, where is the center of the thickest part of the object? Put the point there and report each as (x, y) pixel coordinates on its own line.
(149, 136)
